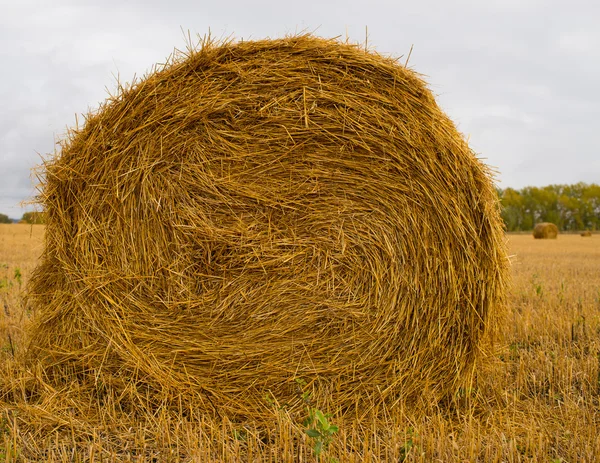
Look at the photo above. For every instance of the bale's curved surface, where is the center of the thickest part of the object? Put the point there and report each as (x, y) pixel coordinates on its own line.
(263, 211)
(545, 230)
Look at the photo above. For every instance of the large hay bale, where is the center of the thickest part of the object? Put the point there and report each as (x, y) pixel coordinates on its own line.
(545, 230)
(259, 212)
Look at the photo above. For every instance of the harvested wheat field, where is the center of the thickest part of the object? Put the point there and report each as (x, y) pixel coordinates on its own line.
(537, 401)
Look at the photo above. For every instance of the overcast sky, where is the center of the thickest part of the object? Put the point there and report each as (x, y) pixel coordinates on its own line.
(519, 77)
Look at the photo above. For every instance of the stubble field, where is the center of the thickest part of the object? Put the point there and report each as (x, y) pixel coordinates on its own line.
(537, 399)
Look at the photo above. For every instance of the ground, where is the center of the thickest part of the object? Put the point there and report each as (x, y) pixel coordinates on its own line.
(535, 399)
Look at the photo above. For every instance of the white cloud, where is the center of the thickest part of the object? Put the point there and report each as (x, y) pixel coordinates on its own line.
(580, 41)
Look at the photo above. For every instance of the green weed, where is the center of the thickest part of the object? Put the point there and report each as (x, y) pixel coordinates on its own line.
(318, 426)
(18, 276)
(407, 446)
(320, 430)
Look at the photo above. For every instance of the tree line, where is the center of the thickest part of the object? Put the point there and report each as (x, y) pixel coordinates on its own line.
(28, 217)
(569, 207)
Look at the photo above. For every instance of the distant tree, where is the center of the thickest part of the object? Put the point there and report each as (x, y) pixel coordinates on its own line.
(34, 217)
(591, 212)
(512, 209)
(569, 207)
(4, 219)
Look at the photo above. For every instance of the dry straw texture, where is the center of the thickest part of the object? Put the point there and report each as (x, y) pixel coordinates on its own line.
(257, 212)
(545, 230)
(586, 233)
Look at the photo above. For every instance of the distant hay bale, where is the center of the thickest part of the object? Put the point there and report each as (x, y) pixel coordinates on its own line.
(258, 212)
(545, 230)
(586, 233)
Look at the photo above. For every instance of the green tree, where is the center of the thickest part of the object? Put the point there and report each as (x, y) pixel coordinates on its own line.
(4, 219)
(570, 207)
(34, 217)
(570, 212)
(512, 209)
(591, 201)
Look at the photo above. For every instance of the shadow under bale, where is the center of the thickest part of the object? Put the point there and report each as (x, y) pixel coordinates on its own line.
(254, 213)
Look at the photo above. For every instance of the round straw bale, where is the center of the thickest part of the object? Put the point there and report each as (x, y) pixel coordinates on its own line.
(545, 230)
(254, 213)
(586, 233)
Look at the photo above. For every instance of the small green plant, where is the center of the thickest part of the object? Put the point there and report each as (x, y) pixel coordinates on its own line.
(304, 395)
(320, 430)
(4, 427)
(7, 452)
(272, 402)
(407, 446)
(561, 292)
(269, 399)
(18, 276)
(537, 285)
(318, 426)
(240, 435)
